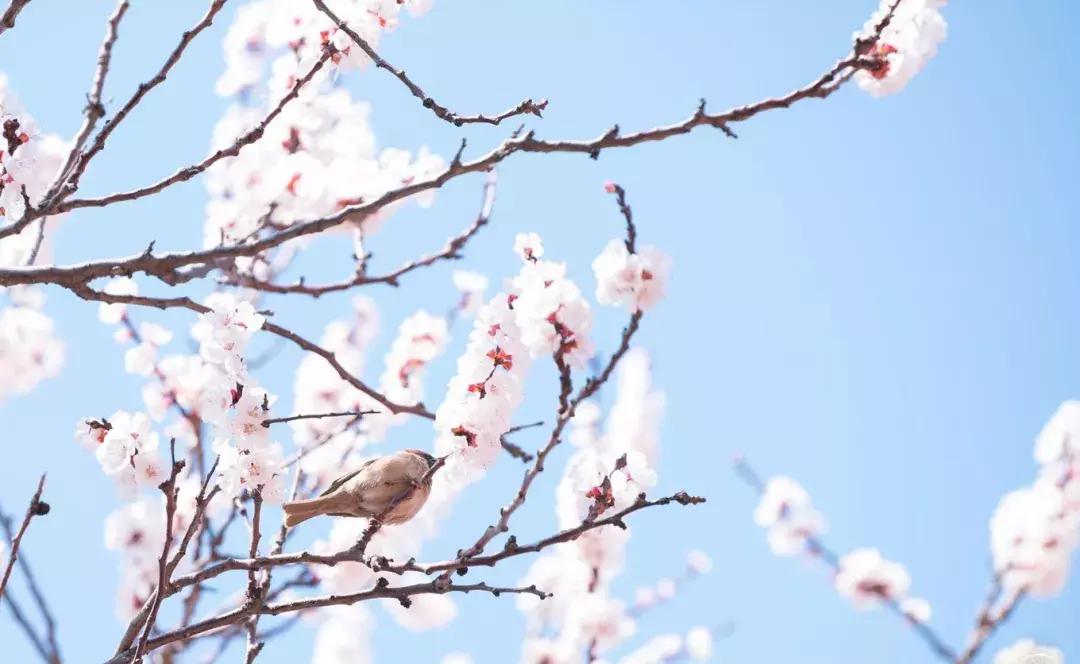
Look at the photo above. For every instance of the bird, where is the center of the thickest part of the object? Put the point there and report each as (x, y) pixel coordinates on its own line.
(389, 488)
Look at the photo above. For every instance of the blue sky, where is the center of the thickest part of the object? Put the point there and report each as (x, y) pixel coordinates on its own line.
(877, 297)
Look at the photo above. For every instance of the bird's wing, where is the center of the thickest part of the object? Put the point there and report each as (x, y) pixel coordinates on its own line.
(336, 484)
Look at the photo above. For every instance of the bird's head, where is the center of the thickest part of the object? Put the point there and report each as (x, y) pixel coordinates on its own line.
(423, 455)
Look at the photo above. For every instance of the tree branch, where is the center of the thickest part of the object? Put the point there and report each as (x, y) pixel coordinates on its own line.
(382, 590)
(184, 174)
(37, 507)
(168, 267)
(7, 20)
(168, 488)
(451, 251)
(527, 106)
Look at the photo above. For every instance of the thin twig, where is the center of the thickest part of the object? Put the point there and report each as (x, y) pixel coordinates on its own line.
(170, 267)
(188, 172)
(144, 88)
(318, 416)
(527, 106)
(37, 507)
(382, 590)
(168, 487)
(452, 251)
(7, 20)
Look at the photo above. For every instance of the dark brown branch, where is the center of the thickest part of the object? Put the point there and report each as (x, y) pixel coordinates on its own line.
(254, 588)
(318, 416)
(144, 88)
(627, 213)
(94, 109)
(169, 267)
(88, 293)
(567, 408)
(382, 590)
(381, 565)
(168, 487)
(51, 647)
(527, 106)
(37, 507)
(451, 251)
(7, 20)
(184, 174)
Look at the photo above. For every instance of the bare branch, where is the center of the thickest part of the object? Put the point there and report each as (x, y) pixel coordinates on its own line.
(168, 487)
(88, 293)
(382, 590)
(51, 647)
(451, 251)
(317, 416)
(189, 172)
(168, 267)
(94, 110)
(144, 88)
(379, 564)
(7, 20)
(37, 507)
(527, 106)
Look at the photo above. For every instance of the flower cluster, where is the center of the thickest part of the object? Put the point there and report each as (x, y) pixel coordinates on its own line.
(634, 280)
(421, 338)
(126, 448)
(907, 43)
(785, 510)
(608, 471)
(1035, 530)
(1026, 651)
(224, 332)
(29, 349)
(137, 531)
(863, 575)
(29, 160)
(866, 578)
(549, 309)
(279, 29)
(484, 393)
(319, 155)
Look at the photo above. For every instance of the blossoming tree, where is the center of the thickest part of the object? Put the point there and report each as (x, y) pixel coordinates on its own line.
(294, 158)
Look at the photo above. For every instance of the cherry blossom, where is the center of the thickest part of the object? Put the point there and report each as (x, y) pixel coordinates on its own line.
(634, 280)
(911, 38)
(528, 246)
(29, 349)
(1026, 651)
(1035, 530)
(223, 334)
(785, 510)
(29, 159)
(865, 577)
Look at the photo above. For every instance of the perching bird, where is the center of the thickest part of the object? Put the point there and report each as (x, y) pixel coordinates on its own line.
(371, 490)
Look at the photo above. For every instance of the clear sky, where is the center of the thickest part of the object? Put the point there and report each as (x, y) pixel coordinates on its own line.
(878, 297)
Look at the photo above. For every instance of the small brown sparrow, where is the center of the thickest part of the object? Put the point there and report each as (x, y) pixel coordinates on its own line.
(371, 490)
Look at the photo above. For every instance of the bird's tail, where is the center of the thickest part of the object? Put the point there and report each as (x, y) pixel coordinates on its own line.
(299, 511)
